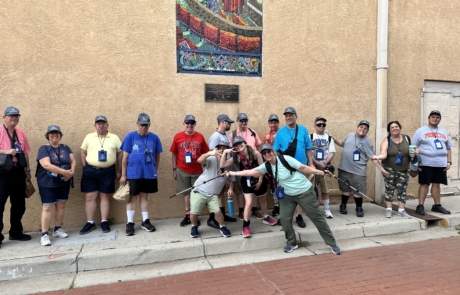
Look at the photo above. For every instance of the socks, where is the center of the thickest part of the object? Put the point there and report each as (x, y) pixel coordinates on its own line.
(246, 223)
(241, 210)
(344, 199)
(130, 215)
(400, 209)
(44, 233)
(187, 213)
(326, 204)
(145, 215)
(211, 216)
(359, 202)
(103, 221)
(91, 221)
(222, 209)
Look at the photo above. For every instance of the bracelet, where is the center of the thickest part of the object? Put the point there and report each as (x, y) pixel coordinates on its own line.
(260, 180)
(317, 172)
(449, 162)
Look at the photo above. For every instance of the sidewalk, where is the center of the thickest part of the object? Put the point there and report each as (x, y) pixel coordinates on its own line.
(97, 251)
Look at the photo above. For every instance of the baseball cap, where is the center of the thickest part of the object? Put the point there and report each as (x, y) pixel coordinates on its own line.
(143, 118)
(273, 117)
(238, 139)
(435, 112)
(242, 116)
(53, 128)
(189, 118)
(290, 110)
(11, 111)
(266, 146)
(224, 143)
(364, 122)
(224, 117)
(320, 119)
(100, 118)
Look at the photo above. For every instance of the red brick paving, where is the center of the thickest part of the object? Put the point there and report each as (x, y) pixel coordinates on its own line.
(428, 267)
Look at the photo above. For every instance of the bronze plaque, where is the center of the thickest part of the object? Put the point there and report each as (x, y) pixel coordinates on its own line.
(221, 93)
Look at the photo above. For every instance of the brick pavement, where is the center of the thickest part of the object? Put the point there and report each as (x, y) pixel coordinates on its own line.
(427, 267)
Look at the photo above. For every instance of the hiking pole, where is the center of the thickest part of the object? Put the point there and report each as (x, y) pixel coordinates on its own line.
(190, 188)
(329, 168)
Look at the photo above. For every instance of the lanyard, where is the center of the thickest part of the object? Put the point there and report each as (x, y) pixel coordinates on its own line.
(356, 145)
(435, 133)
(12, 139)
(276, 171)
(58, 153)
(145, 142)
(102, 143)
(188, 142)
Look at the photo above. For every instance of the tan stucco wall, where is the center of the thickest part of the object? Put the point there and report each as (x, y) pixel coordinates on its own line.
(64, 62)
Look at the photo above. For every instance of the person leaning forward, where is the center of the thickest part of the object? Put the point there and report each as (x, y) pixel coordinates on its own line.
(14, 144)
(101, 160)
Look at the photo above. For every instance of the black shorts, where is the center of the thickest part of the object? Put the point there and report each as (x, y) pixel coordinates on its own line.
(249, 190)
(137, 186)
(429, 175)
(102, 179)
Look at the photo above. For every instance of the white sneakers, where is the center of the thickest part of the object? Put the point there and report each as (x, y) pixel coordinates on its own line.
(45, 241)
(328, 213)
(60, 233)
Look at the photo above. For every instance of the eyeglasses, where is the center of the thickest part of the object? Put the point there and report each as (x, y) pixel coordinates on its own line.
(321, 125)
(266, 152)
(144, 125)
(244, 121)
(189, 123)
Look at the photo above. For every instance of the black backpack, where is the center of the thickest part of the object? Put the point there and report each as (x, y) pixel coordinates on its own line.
(405, 135)
(252, 133)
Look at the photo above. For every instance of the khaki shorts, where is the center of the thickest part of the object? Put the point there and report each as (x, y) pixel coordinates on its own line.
(322, 182)
(185, 181)
(198, 201)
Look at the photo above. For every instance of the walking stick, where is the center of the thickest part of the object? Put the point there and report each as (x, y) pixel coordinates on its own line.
(190, 188)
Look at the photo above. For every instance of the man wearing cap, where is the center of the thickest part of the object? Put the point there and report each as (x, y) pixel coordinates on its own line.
(269, 138)
(357, 150)
(100, 158)
(207, 187)
(323, 153)
(141, 158)
(294, 140)
(14, 144)
(434, 149)
(224, 125)
(187, 146)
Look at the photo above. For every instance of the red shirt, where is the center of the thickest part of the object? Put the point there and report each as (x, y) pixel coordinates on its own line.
(195, 144)
(5, 143)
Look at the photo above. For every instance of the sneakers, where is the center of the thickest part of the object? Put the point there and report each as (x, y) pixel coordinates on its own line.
(130, 229)
(343, 209)
(270, 221)
(300, 222)
(146, 225)
(194, 232)
(440, 209)
(186, 221)
(105, 227)
(60, 233)
(336, 250)
(290, 248)
(359, 212)
(420, 210)
(276, 211)
(241, 215)
(328, 213)
(225, 232)
(404, 214)
(229, 219)
(89, 227)
(45, 241)
(246, 232)
(388, 213)
(20, 237)
(213, 223)
(257, 214)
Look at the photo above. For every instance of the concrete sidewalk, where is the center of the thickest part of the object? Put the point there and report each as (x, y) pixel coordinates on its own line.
(98, 251)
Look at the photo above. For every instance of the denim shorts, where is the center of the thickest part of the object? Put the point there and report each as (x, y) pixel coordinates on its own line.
(52, 195)
(102, 180)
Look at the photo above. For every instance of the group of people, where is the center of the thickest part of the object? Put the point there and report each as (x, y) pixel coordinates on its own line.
(289, 163)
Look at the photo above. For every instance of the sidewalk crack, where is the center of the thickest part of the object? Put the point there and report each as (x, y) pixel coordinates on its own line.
(76, 267)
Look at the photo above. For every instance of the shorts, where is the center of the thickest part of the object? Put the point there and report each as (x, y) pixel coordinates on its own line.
(52, 195)
(137, 186)
(357, 181)
(185, 180)
(429, 175)
(198, 201)
(102, 180)
(322, 182)
(249, 190)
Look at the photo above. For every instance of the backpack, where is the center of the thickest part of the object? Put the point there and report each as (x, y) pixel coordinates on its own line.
(252, 133)
(328, 139)
(285, 163)
(390, 141)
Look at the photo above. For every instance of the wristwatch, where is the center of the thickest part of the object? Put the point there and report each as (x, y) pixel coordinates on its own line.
(449, 162)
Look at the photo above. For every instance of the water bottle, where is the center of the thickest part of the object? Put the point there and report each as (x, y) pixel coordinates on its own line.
(230, 206)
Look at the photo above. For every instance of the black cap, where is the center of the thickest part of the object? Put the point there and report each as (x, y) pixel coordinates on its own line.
(224, 143)
(53, 128)
(189, 118)
(238, 139)
(290, 110)
(273, 117)
(266, 146)
(242, 116)
(101, 118)
(320, 119)
(364, 122)
(11, 111)
(435, 112)
(143, 118)
(224, 117)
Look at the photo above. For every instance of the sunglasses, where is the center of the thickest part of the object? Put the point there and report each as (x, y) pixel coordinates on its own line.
(321, 125)
(266, 152)
(189, 123)
(144, 125)
(244, 121)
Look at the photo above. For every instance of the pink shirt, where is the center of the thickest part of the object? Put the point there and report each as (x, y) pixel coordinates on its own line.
(247, 135)
(5, 143)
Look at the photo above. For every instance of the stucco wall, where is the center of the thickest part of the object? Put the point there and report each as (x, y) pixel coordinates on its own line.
(64, 62)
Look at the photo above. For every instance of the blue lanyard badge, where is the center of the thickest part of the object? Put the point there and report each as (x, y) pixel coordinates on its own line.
(399, 159)
(438, 144)
(279, 191)
(148, 157)
(102, 156)
(188, 158)
(356, 156)
(319, 154)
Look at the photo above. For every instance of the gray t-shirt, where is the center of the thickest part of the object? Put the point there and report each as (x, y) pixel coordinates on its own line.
(354, 143)
(431, 156)
(213, 187)
(217, 137)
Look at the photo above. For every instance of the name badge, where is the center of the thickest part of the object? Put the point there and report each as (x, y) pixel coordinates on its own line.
(399, 159)
(438, 144)
(248, 181)
(188, 158)
(279, 192)
(319, 154)
(102, 156)
(356, 156)
(148, 157)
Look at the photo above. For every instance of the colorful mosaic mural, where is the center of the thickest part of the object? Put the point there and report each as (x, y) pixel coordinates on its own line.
(222, 37)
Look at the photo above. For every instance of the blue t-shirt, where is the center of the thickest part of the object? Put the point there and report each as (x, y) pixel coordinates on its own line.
(58, 156)
(136, 145)
(285, 136)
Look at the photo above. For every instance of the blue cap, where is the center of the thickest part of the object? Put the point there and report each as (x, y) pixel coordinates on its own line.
(11, 111)
(290, 110)
(364, 122)
(242, 116)
(53, 128)
(238, 139)
(143, 118)
(273, 117)
(224, 117)
(101, 118)
(189, 118)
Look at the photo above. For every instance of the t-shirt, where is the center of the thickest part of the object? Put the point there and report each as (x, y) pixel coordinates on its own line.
(212, 170)
(425, 138)
(92, 144)
(58, 156)
(270, 137)
(295, 183)
(354, 143)
(252, 141)
(195, 144)
(217, 137)
(5, 143)
(286, 135)
(322, 142)
(136, 145)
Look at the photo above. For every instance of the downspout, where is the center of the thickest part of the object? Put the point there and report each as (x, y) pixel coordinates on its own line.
(382, 94)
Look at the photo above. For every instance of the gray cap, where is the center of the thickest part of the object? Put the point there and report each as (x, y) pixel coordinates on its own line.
(11, 111)
(238, 139)
(224, 117)
(266, 146)
(100, 118)
(273, 117)
(143, 118)
(364, 122)
(224, 143)
(189, 118)
(435, 112)
(290, 110)
(53, 128)
(242, 116)
(320, 119)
